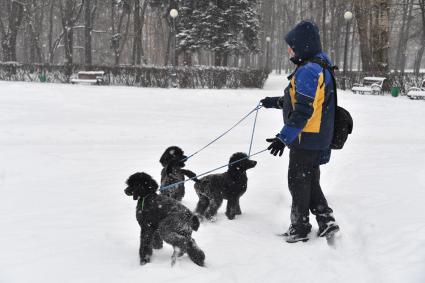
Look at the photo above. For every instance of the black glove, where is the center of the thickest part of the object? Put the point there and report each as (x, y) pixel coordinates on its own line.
(270, 102)
(276, 147)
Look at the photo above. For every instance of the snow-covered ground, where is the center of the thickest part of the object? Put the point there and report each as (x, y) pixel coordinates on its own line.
(66, 151)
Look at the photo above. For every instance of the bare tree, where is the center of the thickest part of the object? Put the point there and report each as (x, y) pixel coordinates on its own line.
(421, 49)
(139, 15)
(118, 41)
(34, 17)
(380, 35)
(9, 32)
(70, 13)
(89, 15)
(362, 8)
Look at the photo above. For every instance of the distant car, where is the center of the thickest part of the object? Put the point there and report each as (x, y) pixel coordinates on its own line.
(370, 85)
(89, 77)
(417, 92)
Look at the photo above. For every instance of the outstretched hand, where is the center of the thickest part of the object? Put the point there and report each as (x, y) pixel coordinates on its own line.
(269, 102)
(277, 146)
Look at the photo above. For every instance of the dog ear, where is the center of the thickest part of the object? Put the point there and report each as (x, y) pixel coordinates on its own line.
(128, 191)
(164, 158)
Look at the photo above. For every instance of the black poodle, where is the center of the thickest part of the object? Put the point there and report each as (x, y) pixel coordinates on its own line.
(230, 185)
(173, 220)
(173, 161)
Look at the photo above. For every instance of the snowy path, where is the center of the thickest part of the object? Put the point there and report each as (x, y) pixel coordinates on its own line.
(65, 152)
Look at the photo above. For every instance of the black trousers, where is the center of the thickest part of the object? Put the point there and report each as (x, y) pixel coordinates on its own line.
(304, 185)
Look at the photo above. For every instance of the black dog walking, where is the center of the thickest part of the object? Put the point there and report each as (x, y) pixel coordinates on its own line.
(309, 114)
(160, 214)
(231, 185)
(173, 161)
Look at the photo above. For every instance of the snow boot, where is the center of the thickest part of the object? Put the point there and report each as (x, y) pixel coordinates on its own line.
(297, 233)
(195, 253)
(327, 229)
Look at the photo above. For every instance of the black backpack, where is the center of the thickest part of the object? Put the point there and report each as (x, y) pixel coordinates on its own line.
(343, 120)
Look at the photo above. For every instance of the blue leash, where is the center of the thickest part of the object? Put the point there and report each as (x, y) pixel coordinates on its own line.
(253, 129)
(258, 107)
(208, 172)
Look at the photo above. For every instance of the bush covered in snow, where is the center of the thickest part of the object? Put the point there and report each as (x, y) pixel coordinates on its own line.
(142, 76)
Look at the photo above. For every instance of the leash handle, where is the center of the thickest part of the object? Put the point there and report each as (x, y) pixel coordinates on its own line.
(208, 172)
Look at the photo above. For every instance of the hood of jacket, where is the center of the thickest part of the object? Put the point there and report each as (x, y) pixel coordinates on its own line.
(304, 39)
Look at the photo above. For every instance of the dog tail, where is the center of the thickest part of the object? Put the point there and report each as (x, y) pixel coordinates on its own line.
(195, 223)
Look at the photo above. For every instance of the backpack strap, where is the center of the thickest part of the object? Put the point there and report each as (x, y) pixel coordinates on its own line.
(331, 70)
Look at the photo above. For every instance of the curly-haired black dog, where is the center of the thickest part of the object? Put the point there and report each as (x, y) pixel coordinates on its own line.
(230, 185)
(173, 161)
(173, 220)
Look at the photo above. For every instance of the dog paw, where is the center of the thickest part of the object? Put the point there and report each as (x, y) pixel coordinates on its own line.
(144, 261)
(230, 217)
(212, 218)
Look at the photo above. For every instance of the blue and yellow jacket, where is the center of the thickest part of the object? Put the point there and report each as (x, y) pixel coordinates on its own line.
(309, 107)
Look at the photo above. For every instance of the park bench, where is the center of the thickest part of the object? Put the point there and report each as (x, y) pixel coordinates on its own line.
(370, 85)
(89, 77)
(417, 92)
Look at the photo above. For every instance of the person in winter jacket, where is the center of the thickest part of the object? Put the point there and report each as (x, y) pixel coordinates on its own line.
(308, 107)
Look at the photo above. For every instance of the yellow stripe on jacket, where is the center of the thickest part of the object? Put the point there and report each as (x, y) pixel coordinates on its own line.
(313, 124)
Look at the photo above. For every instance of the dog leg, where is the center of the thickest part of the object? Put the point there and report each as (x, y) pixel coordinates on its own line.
(179, 193)
(238, 208)
(231, 209)
(195, 253)
(177, 233)
(202, 205)
(157, 241)
(145, 250)
(213, 208)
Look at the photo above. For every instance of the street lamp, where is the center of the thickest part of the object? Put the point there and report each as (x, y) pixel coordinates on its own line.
(174, 13)
(268, 39)
(348, 16)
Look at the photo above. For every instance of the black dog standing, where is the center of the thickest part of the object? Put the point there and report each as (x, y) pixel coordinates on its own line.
(174, 222)
(173, 161)
(230, 185)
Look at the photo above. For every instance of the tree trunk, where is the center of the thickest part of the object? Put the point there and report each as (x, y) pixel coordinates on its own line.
(137, 34)
(380, 36)
(217, 59)
(419, 55)
(70, 14)
(406, 38)
(324, 31)
(187, 60)
(401, 35)
(50, 35)
(361, 9)
(87, 31)
(16, 14)
(421, 50)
